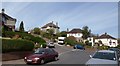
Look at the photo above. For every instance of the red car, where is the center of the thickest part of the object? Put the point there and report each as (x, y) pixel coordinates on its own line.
(41, 56)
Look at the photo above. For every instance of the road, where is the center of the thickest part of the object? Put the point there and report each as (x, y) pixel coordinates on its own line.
(67, 55)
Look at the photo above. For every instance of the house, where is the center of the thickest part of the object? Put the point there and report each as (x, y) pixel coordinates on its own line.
(7, 21)
(52, 26)
(91, 40)
(77, 33)
(107, 40)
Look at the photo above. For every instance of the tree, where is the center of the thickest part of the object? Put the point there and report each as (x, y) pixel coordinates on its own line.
(86, 32)
(51, 32)
(21, 28)
(63, 34)
(36, 30)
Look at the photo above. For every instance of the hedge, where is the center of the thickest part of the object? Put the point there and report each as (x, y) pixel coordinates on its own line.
(103, 47)
(25, 36)
(22, 34)
(9, 45)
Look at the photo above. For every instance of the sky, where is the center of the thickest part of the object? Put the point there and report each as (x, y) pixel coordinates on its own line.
(100, 17)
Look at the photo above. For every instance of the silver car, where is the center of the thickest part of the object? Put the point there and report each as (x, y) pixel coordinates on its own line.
(103, 58)
(51, 45)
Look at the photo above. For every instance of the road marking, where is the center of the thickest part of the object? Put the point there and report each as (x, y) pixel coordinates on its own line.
(77, 50)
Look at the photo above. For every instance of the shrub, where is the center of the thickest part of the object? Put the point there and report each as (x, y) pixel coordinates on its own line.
(70, 40)
(103, 47)
(25, 36)
(9, 45)
(80, 43)
(118, 46)
(88, 43)
(38, 40)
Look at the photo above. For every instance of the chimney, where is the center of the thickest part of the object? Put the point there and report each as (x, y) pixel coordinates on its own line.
(52, 22)
(56, 23)
(67, 30)
(105, 33)
(3, 10)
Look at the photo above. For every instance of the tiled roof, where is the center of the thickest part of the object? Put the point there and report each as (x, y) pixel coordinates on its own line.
(75, 31)
(50, 25)
(105, 36)
(7, 17)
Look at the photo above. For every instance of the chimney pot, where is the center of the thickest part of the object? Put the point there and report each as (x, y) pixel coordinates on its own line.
(3, 10)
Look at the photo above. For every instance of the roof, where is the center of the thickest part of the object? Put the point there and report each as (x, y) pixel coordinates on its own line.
(7, 17)
(75, 31)
(50, 25)
(105, 36)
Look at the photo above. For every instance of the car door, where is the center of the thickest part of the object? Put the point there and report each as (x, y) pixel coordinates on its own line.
(52, 54)
(49, 55)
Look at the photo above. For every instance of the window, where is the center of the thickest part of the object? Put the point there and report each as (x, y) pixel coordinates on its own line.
(110, 42)
(49, 51)
(104, 55)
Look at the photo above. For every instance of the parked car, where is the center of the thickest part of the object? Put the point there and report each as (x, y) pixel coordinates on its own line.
(78, 46)
(51, 45)
(104, 58)
(41, 56)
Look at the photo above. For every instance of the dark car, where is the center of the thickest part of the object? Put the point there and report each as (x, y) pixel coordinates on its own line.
(41, 56)
(78, 46)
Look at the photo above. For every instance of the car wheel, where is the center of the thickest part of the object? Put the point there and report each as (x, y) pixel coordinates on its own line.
(56, 58)
(42, 61)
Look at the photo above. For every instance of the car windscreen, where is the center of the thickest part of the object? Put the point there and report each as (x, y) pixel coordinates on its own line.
(39, 51)
(105, 55)
(113, 49)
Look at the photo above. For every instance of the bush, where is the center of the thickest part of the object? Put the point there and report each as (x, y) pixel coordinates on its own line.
(88, 43)
(25, 36)
(38, 40)
(103, 47)
(118, 46)
(21, 34)
(9, 45)
(80, 43)
(70, 40)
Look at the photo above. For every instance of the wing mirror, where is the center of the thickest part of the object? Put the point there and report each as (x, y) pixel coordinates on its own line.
(114, 58)
(43, 52)
(90, 56)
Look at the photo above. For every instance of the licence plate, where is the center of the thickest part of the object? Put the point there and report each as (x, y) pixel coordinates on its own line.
(29, 60)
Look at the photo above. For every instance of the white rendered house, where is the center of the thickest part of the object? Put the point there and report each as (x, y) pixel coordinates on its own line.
(77, 33)
(49, 26)
(107, 40)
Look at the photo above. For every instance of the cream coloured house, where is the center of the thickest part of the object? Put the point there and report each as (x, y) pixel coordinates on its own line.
(49, 26)
(77, 33)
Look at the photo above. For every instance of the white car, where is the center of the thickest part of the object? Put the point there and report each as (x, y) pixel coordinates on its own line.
(51, 45)
(103, 58)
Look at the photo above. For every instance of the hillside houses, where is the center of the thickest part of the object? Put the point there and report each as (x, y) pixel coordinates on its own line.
(7, 21)
(107, 40)
(52, 26)
(77, 33)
